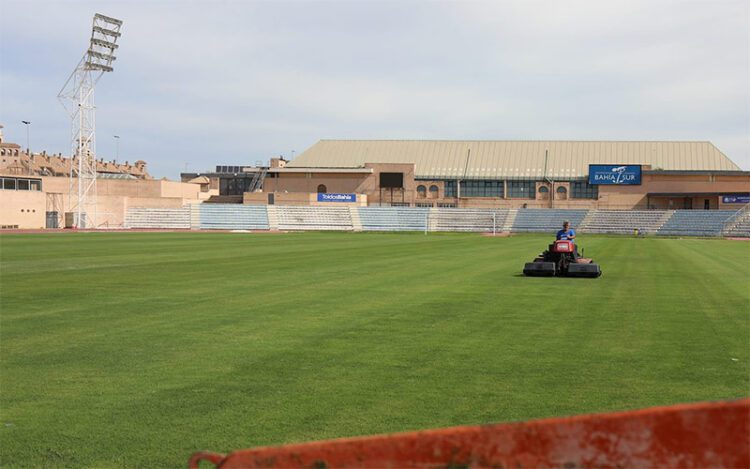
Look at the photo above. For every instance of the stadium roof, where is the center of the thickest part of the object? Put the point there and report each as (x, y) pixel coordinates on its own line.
(510, 159)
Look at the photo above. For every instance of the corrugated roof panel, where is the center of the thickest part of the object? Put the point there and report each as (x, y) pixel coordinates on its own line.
(501, 159)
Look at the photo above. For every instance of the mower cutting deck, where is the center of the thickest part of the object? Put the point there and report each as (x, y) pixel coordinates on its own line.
(562, 260)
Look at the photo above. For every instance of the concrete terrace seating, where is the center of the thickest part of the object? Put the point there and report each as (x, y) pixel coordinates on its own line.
(393, 218)
(459, 219)
(169, 218)
(696, 223)
(624, 221)
(546, 220)
(233, 217)
(738, 225)
(332, 218)
(740, 230)
(314, 218)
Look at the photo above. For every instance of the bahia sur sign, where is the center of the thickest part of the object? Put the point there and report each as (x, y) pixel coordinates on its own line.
(615, 174)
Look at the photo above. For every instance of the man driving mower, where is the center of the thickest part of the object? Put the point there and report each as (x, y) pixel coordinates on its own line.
(561, 259)
(568, 234)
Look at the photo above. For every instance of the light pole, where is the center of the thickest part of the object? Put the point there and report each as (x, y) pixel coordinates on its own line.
(117, 144)
(77, 96)
(28, 141)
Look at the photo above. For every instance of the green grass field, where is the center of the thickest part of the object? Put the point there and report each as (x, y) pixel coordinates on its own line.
(136, 349)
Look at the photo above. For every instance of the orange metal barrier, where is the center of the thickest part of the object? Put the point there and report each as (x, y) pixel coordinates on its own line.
(686, 436)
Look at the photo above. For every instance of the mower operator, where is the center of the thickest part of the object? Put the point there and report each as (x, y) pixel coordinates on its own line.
(567, 233)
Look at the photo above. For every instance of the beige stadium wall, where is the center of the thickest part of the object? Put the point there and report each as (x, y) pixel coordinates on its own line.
(112, 209)
(176, 189)
(24, 209)
(114, 197)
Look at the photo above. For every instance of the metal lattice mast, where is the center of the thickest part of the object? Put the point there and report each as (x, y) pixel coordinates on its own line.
(77, 96)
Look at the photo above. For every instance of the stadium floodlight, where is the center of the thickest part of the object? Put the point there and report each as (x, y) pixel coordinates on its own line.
(77, 96)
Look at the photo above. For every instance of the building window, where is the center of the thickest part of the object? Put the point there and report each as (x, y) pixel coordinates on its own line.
(470, 189)
(421, 192)
(482, 188)
(544, 189)
(434, 192)
(23, 184)
(9, 184)
(562, 193)
(234, 185)
(424, 204)
(400, 204)
(322, 189)
(449, 188)
(446, 205)
(36, 186)
(582, 190)
(521, 189)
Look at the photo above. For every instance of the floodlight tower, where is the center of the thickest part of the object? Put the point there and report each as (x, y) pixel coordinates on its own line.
(77, 96)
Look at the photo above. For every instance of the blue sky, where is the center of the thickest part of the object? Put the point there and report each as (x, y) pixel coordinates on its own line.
(200, 83)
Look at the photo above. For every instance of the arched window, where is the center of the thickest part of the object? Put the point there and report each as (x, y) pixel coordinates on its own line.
(322, 189)
(544, 189)
(562, 193)
(421, 192)
(434, 192)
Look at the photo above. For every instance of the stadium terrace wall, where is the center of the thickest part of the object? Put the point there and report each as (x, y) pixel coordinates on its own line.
(363, 218)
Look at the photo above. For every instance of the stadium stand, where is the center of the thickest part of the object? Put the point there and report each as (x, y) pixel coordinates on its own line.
(695, 223)
(273, 217)
(458, 219)
(510, 220)
(285, 217)
(233, 217)
(356, 222)
(738, 225)
(624, 221)
(170, 218)
(393, 218)
(546, 220)
(314, 218)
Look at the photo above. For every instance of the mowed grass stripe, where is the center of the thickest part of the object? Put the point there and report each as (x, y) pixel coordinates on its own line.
(156, 345)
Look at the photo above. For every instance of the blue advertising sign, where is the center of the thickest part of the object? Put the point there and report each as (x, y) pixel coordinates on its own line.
(735, 199)
(337, 197)
(620, 174)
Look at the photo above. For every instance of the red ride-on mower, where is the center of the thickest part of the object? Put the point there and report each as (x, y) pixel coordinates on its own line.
(562, 260)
